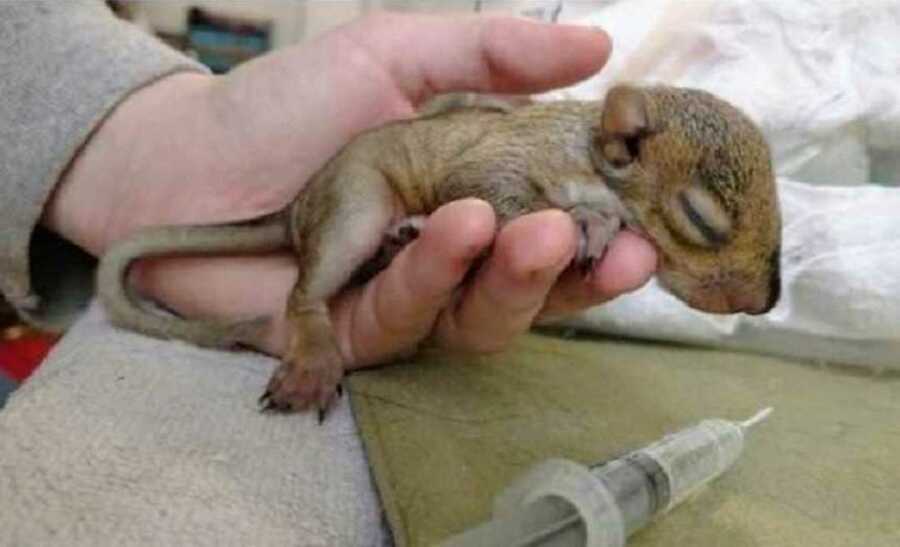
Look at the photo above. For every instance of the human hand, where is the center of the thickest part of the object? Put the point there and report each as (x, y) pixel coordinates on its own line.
(200, 149)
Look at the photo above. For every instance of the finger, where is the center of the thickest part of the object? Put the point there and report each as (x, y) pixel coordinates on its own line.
(627, 265)
(489, 54)
(502, 301)
(397, 309)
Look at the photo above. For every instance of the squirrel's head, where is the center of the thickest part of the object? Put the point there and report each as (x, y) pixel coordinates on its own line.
(697, 177)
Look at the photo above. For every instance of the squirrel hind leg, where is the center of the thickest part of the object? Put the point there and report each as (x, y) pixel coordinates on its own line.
(332, 250)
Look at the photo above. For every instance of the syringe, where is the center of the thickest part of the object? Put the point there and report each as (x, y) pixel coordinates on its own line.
(562, 503)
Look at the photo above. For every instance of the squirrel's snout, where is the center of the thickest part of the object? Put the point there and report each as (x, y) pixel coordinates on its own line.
(752, 304)
(737, 297)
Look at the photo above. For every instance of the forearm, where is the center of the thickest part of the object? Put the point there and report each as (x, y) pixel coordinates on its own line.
(66, 65)
(153, 137)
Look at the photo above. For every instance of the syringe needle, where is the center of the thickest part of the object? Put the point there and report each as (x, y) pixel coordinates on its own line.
(756, 418)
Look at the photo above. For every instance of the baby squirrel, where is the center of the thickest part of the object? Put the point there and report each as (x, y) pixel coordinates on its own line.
(685, 169)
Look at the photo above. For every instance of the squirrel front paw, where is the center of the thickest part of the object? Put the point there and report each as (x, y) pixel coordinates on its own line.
(596, 230)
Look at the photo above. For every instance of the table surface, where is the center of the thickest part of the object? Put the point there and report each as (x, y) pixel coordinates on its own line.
(445, 433)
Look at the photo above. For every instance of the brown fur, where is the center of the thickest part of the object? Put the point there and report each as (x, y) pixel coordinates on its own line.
(684, 168)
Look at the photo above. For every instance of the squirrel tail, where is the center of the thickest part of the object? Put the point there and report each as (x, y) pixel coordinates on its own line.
(126, 309)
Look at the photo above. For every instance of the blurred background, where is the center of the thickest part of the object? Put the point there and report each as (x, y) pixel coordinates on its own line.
(223, 33)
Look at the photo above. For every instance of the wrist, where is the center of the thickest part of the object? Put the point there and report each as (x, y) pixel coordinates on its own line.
(148, 140)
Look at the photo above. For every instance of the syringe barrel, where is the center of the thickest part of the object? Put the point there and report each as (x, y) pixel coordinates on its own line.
(638, 484)
(650, 481)
(692, 457)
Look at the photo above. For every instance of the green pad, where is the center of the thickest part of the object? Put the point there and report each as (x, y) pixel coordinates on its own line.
(445, 433)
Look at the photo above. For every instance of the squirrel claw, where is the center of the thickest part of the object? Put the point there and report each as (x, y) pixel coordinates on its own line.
(266, 404)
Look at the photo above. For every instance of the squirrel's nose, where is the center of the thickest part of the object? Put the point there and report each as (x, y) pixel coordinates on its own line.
(762, 299)
(749, 303)
(757, 302)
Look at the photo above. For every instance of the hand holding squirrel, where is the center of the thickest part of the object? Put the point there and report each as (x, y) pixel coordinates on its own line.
(194, 149)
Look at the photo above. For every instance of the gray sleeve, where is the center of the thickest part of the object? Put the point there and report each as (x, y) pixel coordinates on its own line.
(65, 66)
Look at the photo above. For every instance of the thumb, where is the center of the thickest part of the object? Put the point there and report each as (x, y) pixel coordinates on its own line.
(425, 54)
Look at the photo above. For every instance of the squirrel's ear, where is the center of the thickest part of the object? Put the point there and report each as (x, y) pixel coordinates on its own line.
(624, 112)
(624, 122)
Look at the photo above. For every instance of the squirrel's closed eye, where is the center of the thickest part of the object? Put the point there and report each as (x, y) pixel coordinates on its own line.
(700, 218)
